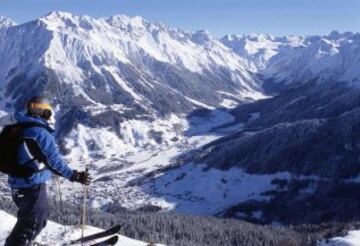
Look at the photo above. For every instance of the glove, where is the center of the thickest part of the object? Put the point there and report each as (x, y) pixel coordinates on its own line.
(81, 177)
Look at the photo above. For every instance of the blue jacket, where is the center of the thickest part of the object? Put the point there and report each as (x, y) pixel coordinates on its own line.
(41, 141)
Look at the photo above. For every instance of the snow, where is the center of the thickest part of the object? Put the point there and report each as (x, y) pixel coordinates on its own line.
(296, 58)
(55, 234)
(200, 104)
(258, 49)
(351, 239)
(225, 93)
(3, 113)
(125, 35)
(227, 103)
(80, 49)
(189, 187)
(124, 84)
(6, 22)
(254, 95)
(134, 138)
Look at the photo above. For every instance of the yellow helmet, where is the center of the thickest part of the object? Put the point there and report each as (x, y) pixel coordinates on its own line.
(39, 106)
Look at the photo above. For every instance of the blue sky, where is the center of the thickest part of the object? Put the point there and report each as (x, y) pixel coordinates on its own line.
(220, 17)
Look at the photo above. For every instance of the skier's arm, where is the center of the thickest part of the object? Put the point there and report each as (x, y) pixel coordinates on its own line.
(51, 155)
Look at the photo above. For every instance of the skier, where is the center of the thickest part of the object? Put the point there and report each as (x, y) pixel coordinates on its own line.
(29, 194)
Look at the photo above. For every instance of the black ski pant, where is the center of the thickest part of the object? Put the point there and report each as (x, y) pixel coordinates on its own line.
(32, 215)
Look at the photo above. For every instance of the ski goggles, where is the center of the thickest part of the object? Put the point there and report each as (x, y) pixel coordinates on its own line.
(45, 106)
(46, 109)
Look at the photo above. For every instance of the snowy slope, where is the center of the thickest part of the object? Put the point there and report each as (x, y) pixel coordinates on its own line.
(332, 57)
(55, 234)
(6, 22)
(294, 59)
(95, 60)
(194, 189)
(351, 239)
(258, 49)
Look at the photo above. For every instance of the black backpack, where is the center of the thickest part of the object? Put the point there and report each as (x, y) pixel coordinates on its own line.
(11, 138)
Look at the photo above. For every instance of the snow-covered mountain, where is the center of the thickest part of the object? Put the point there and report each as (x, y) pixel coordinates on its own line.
(6, 22)
(260, 48)
(126, 64)
(104, 72)
(294, 59)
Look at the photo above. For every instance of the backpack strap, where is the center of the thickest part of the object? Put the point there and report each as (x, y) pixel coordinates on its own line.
(26, 125)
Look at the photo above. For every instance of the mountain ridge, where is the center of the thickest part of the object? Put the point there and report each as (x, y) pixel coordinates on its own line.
(293, 58)
(6, 22)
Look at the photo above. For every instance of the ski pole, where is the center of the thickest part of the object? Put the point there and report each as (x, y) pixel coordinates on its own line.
(84, 210)
(61, 202)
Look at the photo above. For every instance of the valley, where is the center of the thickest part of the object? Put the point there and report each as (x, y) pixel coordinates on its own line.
(248, 127)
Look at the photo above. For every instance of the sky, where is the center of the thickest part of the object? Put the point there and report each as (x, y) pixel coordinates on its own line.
(219, 17)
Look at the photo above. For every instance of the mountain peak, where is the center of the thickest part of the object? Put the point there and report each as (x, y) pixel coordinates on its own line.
(232, 37)
(58, 14)
(122, 21)
(57, 19)
(203, 33)
(337, 35)
(5, 22)
(202, 37)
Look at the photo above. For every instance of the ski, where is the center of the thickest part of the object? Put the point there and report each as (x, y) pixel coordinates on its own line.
(99, 235)
(108, 242)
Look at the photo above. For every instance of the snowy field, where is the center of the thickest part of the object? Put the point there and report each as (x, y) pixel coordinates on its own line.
(55, 234)
(193, 189)
(351, 239)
